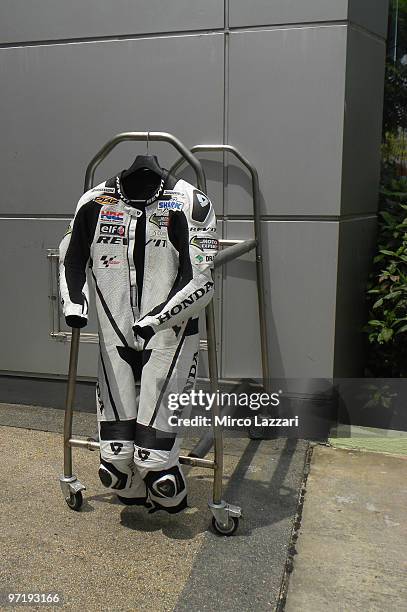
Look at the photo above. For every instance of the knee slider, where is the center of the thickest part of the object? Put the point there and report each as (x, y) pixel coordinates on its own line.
(112, 477)
(165, 484)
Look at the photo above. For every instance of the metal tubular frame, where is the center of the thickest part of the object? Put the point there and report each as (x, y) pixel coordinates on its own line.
(245, 246)
(222, 512)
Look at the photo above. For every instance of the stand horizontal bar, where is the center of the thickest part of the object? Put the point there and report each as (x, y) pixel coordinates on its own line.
(233, 252)
(194, 461)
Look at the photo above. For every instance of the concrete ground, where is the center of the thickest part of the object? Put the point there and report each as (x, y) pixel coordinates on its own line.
(113, 557)
(346, 544)
(352, 543)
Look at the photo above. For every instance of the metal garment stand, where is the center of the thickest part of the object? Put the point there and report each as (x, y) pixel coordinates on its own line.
(243, 246)
(225, 516)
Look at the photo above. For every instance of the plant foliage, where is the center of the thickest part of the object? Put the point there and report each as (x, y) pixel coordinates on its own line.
(387, 288)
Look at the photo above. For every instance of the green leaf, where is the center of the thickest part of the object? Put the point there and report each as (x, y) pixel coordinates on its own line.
(386, 334)
(388, 217)
(378, 303)
(400, 320)
(390, 296)
(376, 323)
(402, 329)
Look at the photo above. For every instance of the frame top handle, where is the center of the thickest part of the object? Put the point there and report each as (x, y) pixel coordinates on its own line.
(144, 136)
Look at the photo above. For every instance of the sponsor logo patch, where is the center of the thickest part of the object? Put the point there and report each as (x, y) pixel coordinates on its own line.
(111, 215)
(157, 242)
(204, 258)
(192, 374)
(109, 261)
(188, 301)
(114, 230)
(202, 229)
(204, 243)
(173, 193)
(159, 220)
(111, 240)
(143, 454)
(104, 189)
(170, 205)
(116, 447)
(200, 206)
(106, 200)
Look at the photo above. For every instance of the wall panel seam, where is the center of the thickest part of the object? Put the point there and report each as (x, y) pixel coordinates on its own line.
(182, 33)
(303, 218)
(307, 24)
(111, 38)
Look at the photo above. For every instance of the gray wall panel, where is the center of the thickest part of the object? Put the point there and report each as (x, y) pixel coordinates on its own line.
(301, 263)
(213, 168)
(25, 341)
(363, 122)
(60, 103)
(58, 19)
(357, 241)
(370, 14)
(286, 115)
(268, 12)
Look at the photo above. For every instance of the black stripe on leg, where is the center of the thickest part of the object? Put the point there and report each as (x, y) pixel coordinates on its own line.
(116, 414)
(148, 437)
(117, 430)
(192, 327)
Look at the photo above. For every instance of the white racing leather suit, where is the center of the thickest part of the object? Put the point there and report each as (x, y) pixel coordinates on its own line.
(152, 270)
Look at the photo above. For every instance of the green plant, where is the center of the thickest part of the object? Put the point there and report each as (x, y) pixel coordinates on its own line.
(387, 288)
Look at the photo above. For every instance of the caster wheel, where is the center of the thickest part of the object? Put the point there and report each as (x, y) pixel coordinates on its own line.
(229, 530)
(75, 501)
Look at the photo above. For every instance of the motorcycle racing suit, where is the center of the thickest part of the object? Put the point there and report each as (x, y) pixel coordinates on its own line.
(151, 265)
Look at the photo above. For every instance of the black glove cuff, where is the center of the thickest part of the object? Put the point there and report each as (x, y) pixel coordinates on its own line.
(75, 321)
(146, 332)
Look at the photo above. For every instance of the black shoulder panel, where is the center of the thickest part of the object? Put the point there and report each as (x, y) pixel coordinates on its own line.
(90, 212)
(170, 181)
(111, 182)
(200, 206)
(78, 251)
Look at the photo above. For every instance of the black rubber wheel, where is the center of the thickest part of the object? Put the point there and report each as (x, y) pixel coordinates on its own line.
(233, 525)
(75, 501)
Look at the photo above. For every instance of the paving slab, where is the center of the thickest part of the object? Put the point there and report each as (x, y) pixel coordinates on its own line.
(113, 557)
(245, 573)
(352, 543)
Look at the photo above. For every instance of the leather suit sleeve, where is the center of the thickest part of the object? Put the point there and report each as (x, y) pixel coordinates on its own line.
(197, 245)
(74, 252)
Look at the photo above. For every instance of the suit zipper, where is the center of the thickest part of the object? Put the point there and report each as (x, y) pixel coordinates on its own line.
(132, 269)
